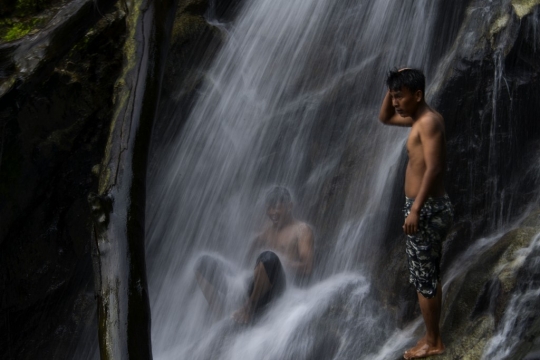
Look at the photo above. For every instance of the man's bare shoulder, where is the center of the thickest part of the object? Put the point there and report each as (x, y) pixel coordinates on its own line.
(303, 228)
(431, 122)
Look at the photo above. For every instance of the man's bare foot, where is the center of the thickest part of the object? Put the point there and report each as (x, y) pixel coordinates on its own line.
(422, 341)
(242, 315)
(422, 350)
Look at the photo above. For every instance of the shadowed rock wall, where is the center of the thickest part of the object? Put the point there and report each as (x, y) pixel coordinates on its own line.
(53, 129)
(56, 101)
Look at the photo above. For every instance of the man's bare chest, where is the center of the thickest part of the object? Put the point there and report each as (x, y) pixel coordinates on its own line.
(414, 144)
(284, 241)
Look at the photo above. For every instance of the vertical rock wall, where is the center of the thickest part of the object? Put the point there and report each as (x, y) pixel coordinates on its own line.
(56, 102)
(52, 133)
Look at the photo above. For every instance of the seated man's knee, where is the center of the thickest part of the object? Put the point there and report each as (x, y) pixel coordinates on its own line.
(272, 265)
(268, 257)
(205, 266)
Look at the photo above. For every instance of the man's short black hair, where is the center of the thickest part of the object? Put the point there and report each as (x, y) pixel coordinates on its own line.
(278, 195)
(412, 79)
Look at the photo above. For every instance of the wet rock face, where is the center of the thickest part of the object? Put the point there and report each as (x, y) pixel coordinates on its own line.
(481, 299)
(488, 101)
(52, 134)
(54, 123)
(194, 42)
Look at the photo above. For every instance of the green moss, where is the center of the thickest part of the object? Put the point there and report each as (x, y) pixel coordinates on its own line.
(499, 24)
(13, 30)
(22, 17)
(17, 31)
(524, 7)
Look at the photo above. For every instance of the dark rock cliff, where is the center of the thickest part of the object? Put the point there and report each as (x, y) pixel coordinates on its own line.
(56, 101)
(54, 125)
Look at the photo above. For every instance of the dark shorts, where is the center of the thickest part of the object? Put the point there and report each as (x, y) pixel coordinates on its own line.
(276, 275)
(217, 272)
(425, 247)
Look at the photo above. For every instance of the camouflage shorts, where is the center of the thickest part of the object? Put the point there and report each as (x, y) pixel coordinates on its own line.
(424, 248)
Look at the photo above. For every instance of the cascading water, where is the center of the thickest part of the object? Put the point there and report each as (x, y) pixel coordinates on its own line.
(294, 91)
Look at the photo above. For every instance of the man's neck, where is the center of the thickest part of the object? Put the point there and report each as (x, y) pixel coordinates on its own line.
(283, 224)
(423, 107)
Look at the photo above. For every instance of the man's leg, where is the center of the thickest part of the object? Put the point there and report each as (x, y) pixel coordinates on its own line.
(431, 312)
(268, 283)
(209, 273)
(212, 296)
(424, 255)
(431, 343)
(261, 286)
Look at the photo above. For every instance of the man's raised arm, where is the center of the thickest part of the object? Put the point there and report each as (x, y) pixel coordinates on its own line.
(388, 114)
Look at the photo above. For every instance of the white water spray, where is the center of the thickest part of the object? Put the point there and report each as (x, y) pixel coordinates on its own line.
(295, 90)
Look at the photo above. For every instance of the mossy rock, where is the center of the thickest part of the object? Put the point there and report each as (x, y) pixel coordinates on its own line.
(475, 302)
(533, 220)
(19, 18)
(18, 30)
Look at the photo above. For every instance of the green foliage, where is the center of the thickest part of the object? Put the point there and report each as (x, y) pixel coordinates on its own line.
(11, 30)
(17, 31)
(19, 17)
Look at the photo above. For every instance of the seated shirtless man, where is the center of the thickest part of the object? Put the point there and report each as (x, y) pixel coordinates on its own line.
(284, 240)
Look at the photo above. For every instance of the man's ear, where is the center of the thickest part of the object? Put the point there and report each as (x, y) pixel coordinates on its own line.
(419, 95)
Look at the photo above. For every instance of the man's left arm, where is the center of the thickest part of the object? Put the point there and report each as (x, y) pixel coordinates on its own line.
(304, 265)
(432, 138)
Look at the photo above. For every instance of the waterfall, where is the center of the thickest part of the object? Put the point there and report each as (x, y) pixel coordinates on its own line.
(292, 98)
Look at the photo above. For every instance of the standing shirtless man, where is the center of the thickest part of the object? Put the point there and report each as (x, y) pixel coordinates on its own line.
(428, 211)
(284, 240)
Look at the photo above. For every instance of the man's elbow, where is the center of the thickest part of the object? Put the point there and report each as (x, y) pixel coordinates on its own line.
(384, 119)
(435, 170)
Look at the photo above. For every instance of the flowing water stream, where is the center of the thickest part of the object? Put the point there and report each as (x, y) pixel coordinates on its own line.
(295, 90)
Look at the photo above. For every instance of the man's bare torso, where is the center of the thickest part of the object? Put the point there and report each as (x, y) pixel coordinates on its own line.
(285, 240)
(416, 166)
